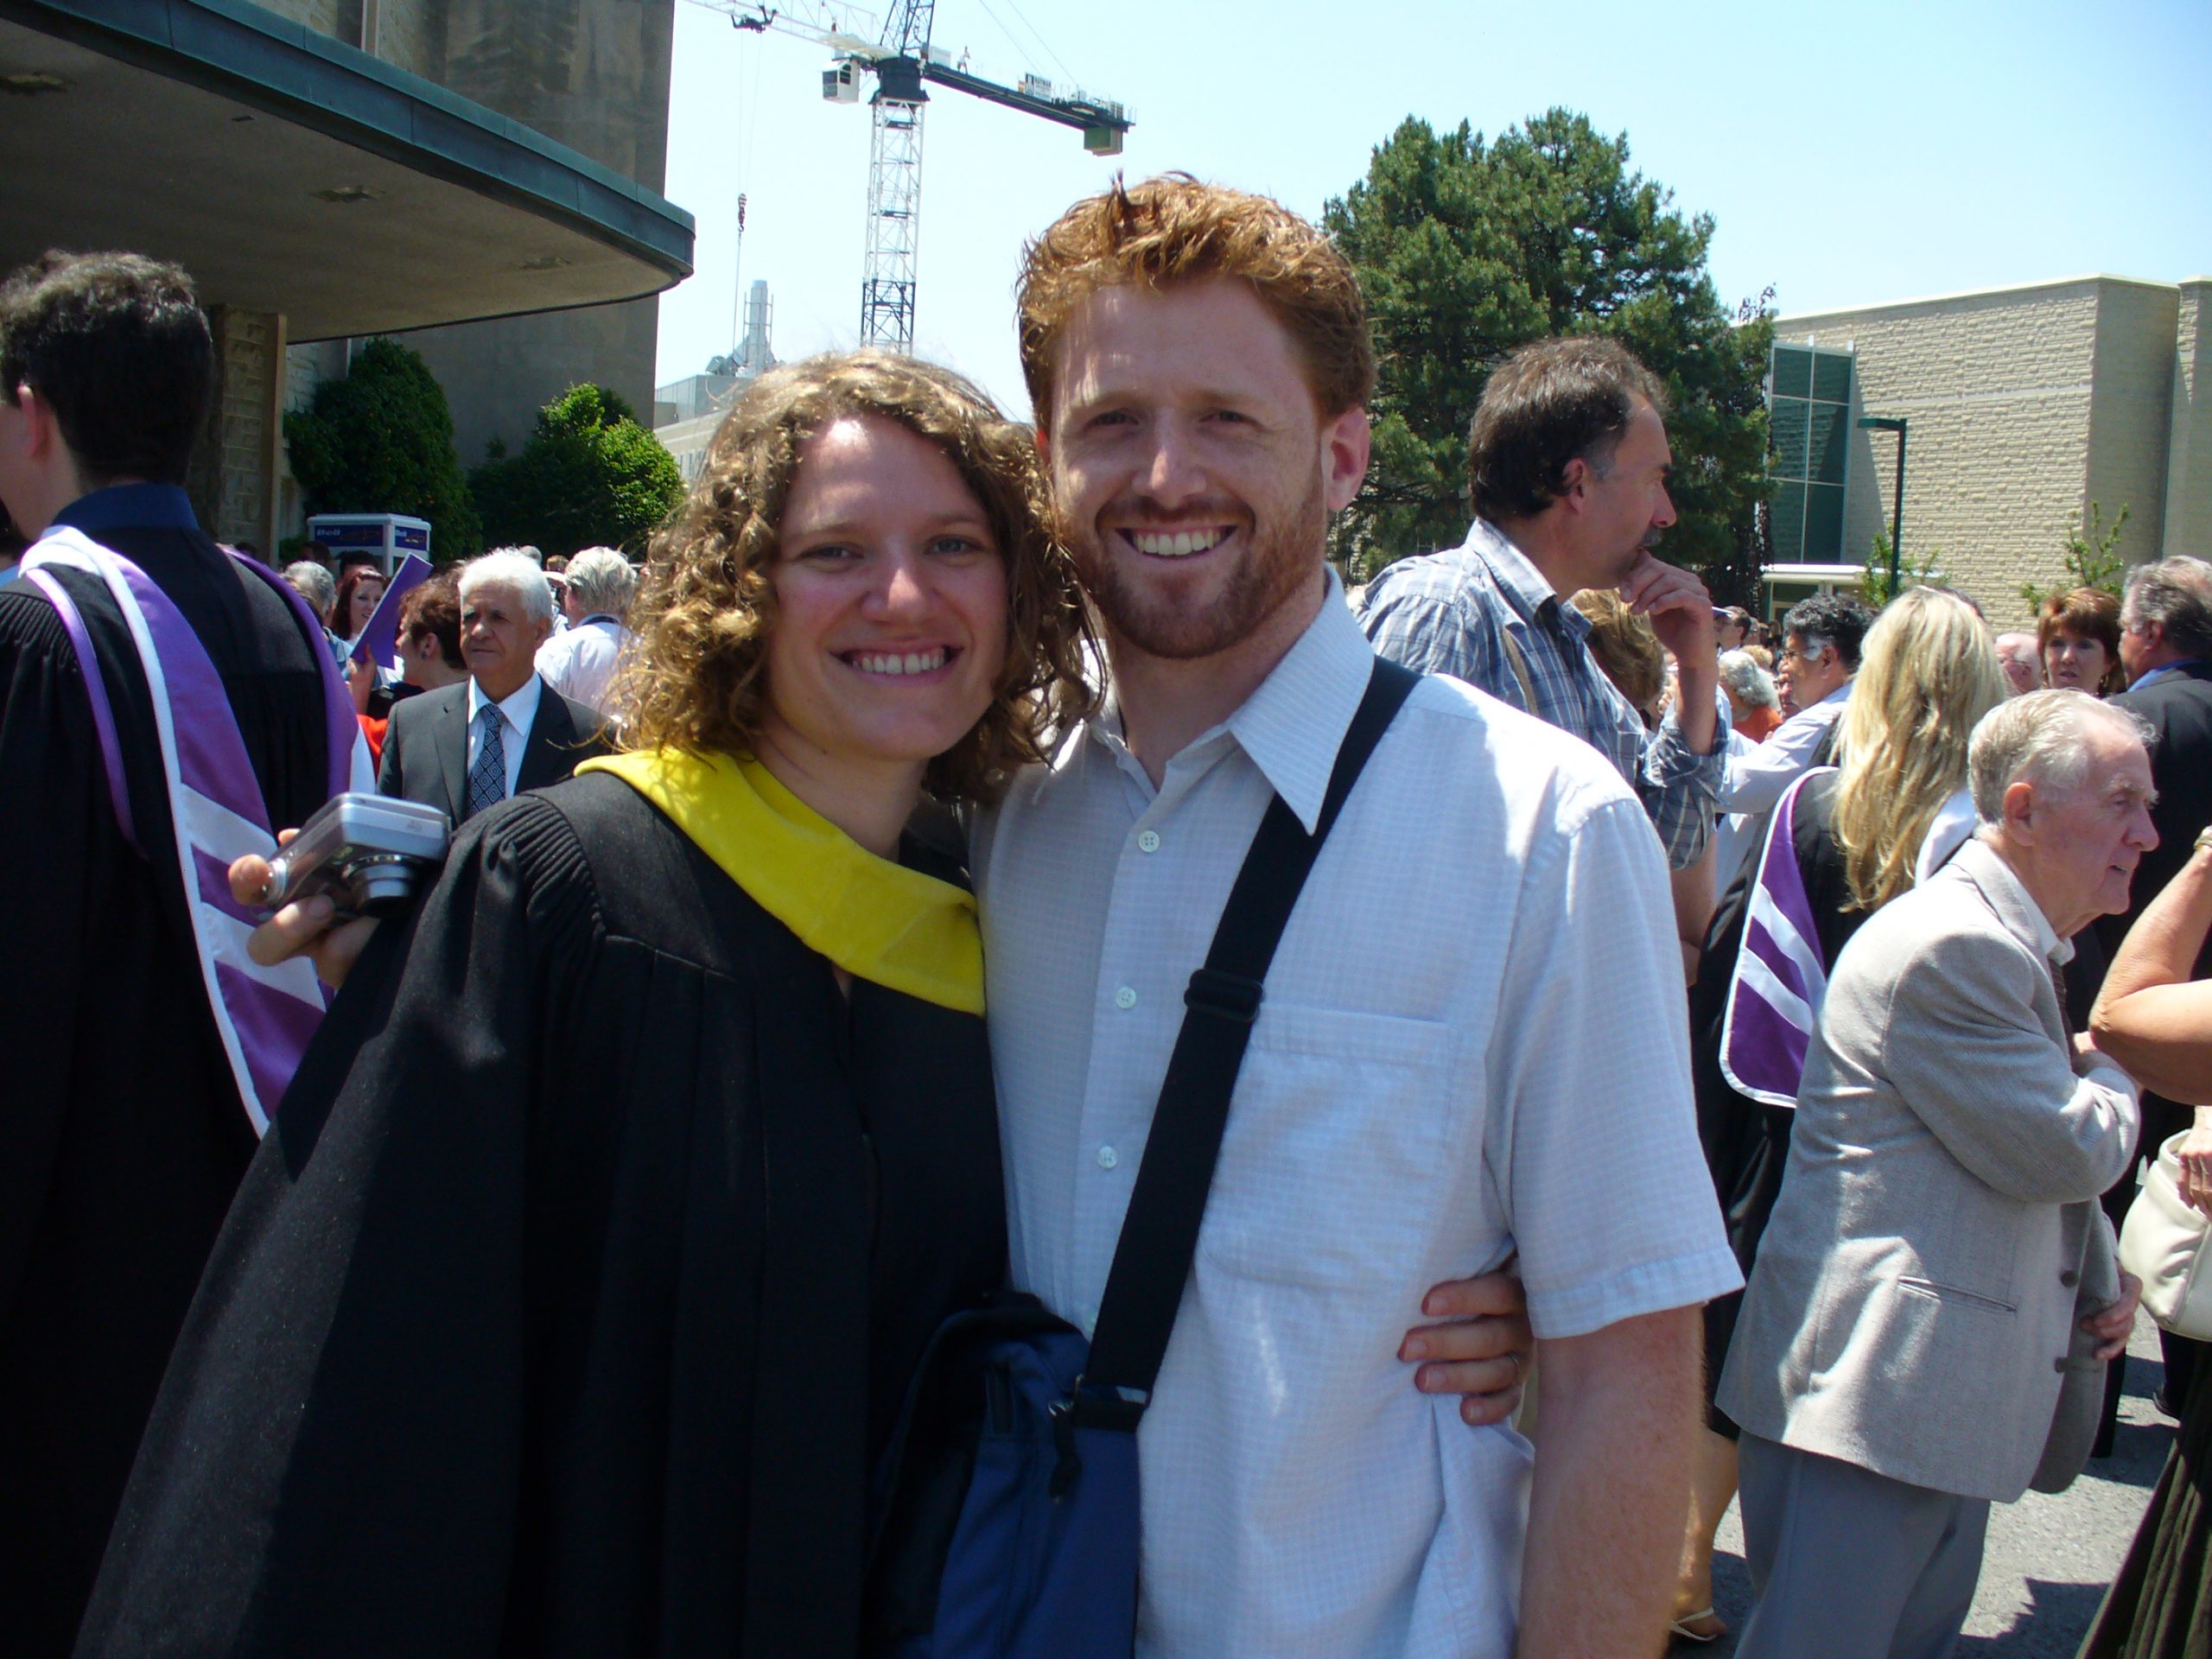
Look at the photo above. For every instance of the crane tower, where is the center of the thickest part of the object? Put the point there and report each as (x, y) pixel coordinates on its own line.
(900, 59)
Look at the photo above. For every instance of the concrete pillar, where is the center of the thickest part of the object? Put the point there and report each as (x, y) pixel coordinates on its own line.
(2188, 444)
(235, 467)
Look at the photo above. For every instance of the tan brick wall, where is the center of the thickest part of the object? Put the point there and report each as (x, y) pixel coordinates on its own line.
(1996, 390)
(2189, 441)
(2130, 410)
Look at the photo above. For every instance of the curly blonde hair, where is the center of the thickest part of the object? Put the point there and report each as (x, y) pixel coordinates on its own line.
(696, 678)
(1929, 673)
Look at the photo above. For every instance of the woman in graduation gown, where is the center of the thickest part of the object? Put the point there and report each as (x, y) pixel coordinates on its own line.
(578, 1283)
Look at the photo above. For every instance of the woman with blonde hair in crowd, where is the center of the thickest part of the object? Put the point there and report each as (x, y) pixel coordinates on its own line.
(1928, 673)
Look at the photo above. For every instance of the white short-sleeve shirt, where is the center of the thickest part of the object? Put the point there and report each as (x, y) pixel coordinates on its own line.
(1473, 1043)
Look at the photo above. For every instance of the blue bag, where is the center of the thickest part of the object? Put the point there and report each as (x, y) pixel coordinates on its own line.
(1007, 1511)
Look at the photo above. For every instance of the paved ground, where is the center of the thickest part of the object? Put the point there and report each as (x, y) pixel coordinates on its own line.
(2048, 1558)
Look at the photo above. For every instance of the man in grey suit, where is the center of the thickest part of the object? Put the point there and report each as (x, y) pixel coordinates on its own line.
(504, 729)
(1926, 1330)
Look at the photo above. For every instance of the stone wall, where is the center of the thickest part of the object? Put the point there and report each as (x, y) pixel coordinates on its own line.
(234, 474)
(2024, 405)
(340, 19)
(1996, 394)
(407, 34)
(592, 74)
(2189, 442)
(2131, 410)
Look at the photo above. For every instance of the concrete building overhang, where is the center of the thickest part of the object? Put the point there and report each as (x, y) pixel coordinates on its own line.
(292, 174)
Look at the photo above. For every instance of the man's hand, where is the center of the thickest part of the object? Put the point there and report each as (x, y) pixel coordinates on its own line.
(1680, 611)
(1482, 1350)
(1677, 605)
(301, 928)
(2111, 1325)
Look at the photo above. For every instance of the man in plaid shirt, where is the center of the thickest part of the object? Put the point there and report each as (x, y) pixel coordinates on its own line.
(1568, 464)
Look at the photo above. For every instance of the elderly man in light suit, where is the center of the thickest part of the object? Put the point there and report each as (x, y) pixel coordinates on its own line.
(1936, 1295)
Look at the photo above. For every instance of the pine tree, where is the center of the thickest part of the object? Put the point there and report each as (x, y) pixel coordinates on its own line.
(1465, 250)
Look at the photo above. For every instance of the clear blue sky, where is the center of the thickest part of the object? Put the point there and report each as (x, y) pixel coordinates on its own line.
(1848, 153)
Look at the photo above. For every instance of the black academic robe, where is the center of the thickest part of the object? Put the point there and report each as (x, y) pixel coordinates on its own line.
(574, 1291)
(121, 1132)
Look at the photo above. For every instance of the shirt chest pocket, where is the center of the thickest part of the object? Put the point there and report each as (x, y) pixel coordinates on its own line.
(1335, 1157)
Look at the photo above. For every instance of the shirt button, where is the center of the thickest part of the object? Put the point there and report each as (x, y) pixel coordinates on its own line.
(2069, 1278)
(1108, 1157)
(1147, 841)
(1125, 998)
(2058, 1364)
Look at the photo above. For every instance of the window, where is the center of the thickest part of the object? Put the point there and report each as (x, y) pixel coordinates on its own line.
(1808, 405)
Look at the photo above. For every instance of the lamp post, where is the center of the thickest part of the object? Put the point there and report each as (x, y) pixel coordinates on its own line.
(1892, 423)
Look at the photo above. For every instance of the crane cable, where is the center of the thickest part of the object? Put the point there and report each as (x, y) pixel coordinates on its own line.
(1058, 61)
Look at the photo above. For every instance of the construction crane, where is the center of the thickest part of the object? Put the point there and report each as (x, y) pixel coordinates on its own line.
(900, 60)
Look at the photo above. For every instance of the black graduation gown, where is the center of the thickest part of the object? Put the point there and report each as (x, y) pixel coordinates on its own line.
(576, 1286)
(121, 1132)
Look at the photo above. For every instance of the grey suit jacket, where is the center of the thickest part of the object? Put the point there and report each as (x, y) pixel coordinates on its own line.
(1916, 1305)
(426, 746)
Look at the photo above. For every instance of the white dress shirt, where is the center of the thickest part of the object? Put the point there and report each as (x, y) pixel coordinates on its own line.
(1473, 1042)
(1754, 782)
(517, 713)
(580, 664)
(1759, 774)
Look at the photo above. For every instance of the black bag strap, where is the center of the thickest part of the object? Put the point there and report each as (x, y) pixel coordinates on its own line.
(1159, 1234)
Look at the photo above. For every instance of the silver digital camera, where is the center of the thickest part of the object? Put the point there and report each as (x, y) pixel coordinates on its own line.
(369, 853)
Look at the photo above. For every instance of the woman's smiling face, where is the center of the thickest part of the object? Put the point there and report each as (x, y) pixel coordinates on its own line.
(368, 593)
(891, 600)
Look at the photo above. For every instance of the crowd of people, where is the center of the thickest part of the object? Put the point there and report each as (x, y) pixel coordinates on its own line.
(829, 963)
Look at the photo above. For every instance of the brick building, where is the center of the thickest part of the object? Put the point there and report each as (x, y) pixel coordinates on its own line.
(2024, 405)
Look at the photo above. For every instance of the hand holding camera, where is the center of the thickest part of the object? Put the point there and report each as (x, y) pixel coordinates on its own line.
(357, 858)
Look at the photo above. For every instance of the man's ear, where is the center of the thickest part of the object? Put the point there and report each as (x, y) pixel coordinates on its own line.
(1573, 484)
(2020, 810)
(41, 427)
(1346, 442)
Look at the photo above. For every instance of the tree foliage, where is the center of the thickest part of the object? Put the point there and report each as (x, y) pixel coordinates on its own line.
(1874, 584)
(1465, 250)
(380, 440)
(589, 476)
(2093, 559)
